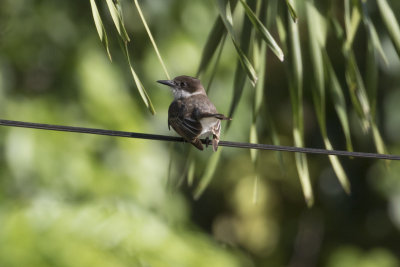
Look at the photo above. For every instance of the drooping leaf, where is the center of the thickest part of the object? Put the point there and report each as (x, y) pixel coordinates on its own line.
(317, 34)
(214, 39)
(226, 16)
(338, 100)
(151, 39)
(139, 85)
(296, 96)
(391, 23)
(292, 12)
(240, 75)
(208, 173)
(372, 34)
(117, 19)
(217, 60)
(337, 167)
(358, 94)
(100, 27)
(263, 31)
(352, 23)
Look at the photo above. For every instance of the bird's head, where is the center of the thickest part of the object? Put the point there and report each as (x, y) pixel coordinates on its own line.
(184, 86)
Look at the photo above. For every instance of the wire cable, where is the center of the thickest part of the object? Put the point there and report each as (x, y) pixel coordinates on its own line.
(73, 129)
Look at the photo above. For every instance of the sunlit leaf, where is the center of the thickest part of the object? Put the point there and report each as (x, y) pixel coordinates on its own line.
(253, 139)
(302, 169)
(296, 96)
(151, 39)
(379, 143)
(100, 27)
(240, 75)
(352, 25)
(292, 12)
(214, 39)
(358, 94)
(117, 18)
(209, 171)
(263, 31)
(338, 101)
(372, 34)
(391, 23)
(371, 76)
(217, 60)
(317, 32)
(139, 85)
(337, 167)
(226, 16)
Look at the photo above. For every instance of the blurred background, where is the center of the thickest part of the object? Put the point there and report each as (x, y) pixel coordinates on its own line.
(70, 199)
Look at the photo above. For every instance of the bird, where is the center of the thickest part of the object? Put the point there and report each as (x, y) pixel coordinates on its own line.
(191, 114)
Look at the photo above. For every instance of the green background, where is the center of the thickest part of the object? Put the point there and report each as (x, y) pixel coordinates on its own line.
(71, 199)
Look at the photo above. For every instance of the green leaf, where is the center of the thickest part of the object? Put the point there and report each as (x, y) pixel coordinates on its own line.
(139, 85)
(214, 39)
(118, 22)
(317, 43)
(338, 100)
(205, 180)
(351, 24)
(217, 60)
(292, 12)
(371, 76)
(263, 31)
(226, 16)
(240, 75)
(380, 145)
(254, 140)
(296, 96)
(259, 90)
(360, 101)
(358, 94)
(337, 167)
(100, 27)
(317, 31)
(391, 23)
(302, 169)
(151, 38)
(372, 34)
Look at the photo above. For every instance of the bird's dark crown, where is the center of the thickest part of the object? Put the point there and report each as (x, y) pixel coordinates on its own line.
(187, 83)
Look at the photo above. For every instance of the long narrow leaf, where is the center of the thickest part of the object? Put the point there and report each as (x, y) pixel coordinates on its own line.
(151, 38)
(391, 23)
(214, 39)
(240, 75)
(358, 94)
(100, 27)
(338, 100)
(296, 95)
(292, 12)
(263, 31)
(139, 85)
(117, 18)
(317, 41)
(208, 174)
(352, 26)
(226, 16)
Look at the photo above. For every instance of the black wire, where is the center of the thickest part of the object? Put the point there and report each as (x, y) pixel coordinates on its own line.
(180, 139)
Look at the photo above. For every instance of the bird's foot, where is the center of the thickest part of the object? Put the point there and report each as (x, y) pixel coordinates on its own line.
(207, 141)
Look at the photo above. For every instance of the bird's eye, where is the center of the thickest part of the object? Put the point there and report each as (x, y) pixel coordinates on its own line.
(183, 84)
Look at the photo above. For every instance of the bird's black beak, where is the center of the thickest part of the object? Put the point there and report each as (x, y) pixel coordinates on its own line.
(166, 82)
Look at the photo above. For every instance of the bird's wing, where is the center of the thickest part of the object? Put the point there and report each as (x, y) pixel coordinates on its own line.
(189, 128)
(215, 115)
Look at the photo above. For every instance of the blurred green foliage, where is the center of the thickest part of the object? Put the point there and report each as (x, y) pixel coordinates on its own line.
(78, 200)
